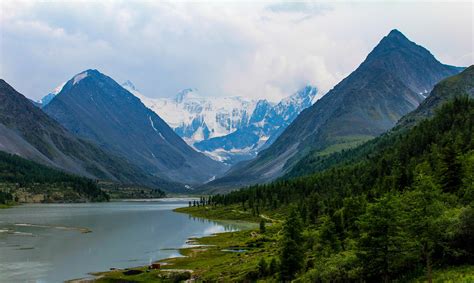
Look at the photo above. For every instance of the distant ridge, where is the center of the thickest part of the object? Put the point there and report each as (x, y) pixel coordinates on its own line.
(228, 129)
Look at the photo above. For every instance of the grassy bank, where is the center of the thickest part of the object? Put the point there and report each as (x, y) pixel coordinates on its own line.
(221, 213)
(224, 257)
(236, 256)
(234, 212)
(9, 205)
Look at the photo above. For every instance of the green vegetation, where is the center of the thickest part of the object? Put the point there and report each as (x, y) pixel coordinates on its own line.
(232, 212)
(457, 274)
(22, 180)
(123, 191)
(246, 255)
(401, 209)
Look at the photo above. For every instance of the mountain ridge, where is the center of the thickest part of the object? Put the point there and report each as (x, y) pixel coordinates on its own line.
(30, 133)
(388, 84)
(93, 106)
(228, 129)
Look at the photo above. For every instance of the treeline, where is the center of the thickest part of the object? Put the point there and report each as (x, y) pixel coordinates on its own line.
(6, 198)
(19, 173)
(400, 210)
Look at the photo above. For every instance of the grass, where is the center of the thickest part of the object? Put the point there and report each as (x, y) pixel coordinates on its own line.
(222, 257)
(209, 260)
(454, 274)
(221, 213)
(342, 143)
(8, 205)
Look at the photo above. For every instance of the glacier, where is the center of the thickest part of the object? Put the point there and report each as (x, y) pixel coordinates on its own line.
(227, 129)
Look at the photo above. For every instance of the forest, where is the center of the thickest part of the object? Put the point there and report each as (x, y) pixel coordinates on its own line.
(392, 209)
(20, 175)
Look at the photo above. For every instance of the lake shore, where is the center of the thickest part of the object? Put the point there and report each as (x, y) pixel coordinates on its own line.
(225, 256)
(152, 229)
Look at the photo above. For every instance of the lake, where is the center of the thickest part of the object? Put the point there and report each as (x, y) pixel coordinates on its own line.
(57, 242)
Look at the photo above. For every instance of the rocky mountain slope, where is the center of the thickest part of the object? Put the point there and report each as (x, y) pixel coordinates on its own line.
(28, 132)
(94, 107)
(392, 81)
(459, 85)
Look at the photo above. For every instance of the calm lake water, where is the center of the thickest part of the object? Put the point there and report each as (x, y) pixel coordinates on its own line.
(48, 243)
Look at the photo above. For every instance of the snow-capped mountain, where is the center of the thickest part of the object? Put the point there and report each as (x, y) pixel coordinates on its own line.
(228, 129)
(47, 99)
(96, 108)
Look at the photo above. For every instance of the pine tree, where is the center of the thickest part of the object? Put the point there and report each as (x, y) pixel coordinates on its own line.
(381, 242)
(424, 211)
(291, 254)
(262, 226)
(262, 268)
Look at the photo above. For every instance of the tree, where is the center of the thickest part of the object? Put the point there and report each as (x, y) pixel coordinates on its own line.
(382, 241)
(424, 210)
(262, 226)
(450, 169)
(262, 268)
(292, 253)
(273, 266)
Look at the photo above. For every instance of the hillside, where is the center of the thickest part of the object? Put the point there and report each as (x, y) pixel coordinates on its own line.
(392, 81)
(94, 107)
(394, 215)
(462, 84)
(446, 90)
(28, 132)
(22, 180)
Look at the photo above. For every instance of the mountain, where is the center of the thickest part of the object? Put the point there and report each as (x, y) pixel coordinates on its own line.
(228, 129)
(447, 90)
(94, 107)
(392, 81)
(27, 131)
(461, 84)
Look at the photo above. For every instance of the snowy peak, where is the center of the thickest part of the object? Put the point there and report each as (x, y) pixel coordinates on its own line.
(304, 96)
(228, 129)
(73, 81)
(47, 98)
(186, 94)
(128, 85)
(79, 77)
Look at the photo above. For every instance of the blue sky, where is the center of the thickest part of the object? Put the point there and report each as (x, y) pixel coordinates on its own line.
(259, 50)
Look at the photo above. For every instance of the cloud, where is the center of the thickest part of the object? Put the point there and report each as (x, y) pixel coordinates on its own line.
(263, 50)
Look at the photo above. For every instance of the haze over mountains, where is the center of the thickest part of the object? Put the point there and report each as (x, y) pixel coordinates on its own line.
(228, 129)
(392, 81)
(94, 107)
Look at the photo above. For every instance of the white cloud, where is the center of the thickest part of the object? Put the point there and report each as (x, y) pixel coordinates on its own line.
(263, 50)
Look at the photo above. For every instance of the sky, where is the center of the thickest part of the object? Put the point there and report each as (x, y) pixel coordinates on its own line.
(252, 49)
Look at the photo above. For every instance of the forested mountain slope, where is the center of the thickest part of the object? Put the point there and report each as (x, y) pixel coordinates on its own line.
(394, 214)
(458, 85)
(23, 180)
